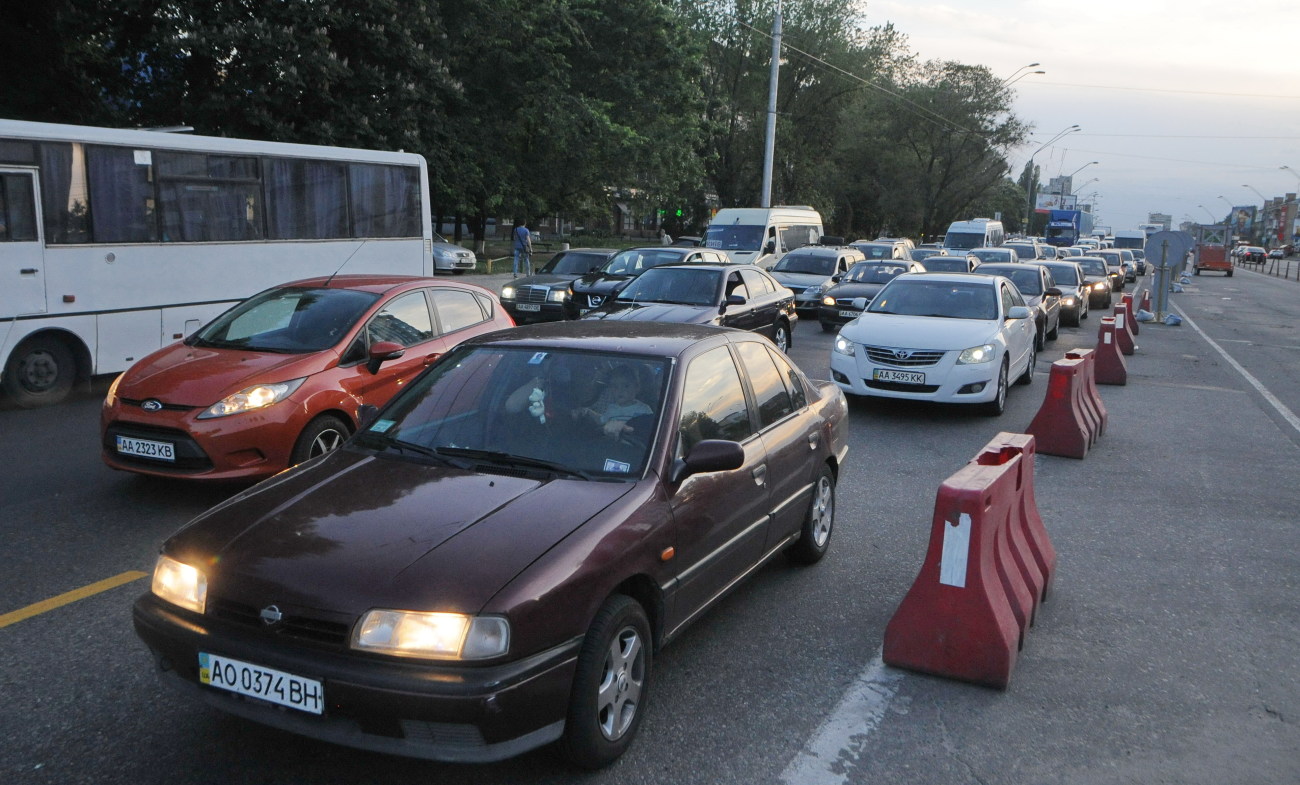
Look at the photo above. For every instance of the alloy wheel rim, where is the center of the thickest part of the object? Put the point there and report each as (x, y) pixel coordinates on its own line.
(619, 693)
(823, 513)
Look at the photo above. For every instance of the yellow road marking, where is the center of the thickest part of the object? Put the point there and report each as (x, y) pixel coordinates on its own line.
(66, 598)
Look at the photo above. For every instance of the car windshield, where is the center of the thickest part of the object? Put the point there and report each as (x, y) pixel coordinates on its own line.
(1093, 266)
(813, 264)
(964, 240)
(1023, 250)
(873, 272)
(946, 264)
(1029, 281)
(638, 260)
(945, 299)
(570, 263)
(734, 237)
(674, 285)
(992, 255)
(875, 250)
(287, 321)
(1064, 274)
(519, 410)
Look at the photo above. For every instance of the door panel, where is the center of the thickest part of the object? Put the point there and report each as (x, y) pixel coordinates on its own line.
(22, 250)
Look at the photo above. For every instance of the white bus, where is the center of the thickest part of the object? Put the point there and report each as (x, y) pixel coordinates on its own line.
(116, 242)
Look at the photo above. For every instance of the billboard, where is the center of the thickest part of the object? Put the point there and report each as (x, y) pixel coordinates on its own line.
(1243, 218)
(1045, 202)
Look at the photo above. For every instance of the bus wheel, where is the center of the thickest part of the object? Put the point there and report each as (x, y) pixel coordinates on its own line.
(40, 372)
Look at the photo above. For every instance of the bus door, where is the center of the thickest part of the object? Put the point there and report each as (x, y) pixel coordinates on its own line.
(22, 253)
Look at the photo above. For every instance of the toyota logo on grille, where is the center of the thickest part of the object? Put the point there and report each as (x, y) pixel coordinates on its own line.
(271, 615)
(902, 354)
(152, 405)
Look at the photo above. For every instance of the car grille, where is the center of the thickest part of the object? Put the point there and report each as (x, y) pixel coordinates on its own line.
(847, 302)
(302, 628)
(881, 355)
(532, 294)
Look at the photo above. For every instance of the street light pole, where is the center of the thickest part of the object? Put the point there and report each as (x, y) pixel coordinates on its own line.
(1033, 180)
(1081, 168)
(1292, 171)
(1022, 76)
(1257, 193)
(1213, 220)
(1014, 75)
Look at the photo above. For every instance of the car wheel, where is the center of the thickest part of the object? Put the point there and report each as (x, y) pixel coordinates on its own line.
(1028, 376)
(995, 407)
(610, 685)
(815, 538)
(1039, 340)
(321, 435)
(827, 327)
(40, 372)
(781, 336)
(1056, 330)
(1083, 312)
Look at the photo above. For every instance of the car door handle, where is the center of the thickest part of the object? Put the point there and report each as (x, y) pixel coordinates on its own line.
(760, 474)
(28, 271)
(429, 359)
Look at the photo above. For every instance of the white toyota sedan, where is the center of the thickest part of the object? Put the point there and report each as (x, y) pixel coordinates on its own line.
(942, 337)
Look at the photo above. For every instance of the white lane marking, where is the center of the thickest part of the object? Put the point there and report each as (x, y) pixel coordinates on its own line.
(1281, 408)
(829, 756)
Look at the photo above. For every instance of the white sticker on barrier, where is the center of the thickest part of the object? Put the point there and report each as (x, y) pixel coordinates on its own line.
(956, 552)
(1106, 337)
(1119, 321)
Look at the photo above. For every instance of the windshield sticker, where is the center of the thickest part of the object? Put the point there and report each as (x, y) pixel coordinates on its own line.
(537, 358)
(381, 426)
(617, 467)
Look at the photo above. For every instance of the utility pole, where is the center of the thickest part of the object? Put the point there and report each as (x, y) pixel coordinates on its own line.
(769, 147)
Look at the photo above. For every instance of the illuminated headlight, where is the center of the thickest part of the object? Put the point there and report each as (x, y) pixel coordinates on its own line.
(1068, 299)
(180, 584)
(256, 397)
(442, 636)
(977, 354)
(828, 300)
(1100, 286)
(843, 345)
(557, 295)
(508, 293)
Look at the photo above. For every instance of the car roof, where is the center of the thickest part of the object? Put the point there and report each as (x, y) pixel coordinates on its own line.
(704, 266)
(823, 249)
(377, 284)
(661, 339)
(950, 277)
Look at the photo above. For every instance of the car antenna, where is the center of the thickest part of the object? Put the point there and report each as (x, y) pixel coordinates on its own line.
(345, 261)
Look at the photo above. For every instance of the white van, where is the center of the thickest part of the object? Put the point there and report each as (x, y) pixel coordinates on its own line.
(762, 235)
(975, 233)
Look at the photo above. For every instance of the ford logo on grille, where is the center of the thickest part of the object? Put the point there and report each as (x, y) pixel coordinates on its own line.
(902, 354)
(271, 615)
(152, 405)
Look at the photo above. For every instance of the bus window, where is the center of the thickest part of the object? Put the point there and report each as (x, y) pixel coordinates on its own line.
(385, 200)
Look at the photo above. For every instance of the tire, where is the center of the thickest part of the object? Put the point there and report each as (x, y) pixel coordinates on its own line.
(781, 336)
(995, 407)
(1084, 307)
(40, 372)
(1198, 271)
(827, 327)
(1040, 341)
(323, 434)
(818, 525)
(1230, 273)
(610, 685)
(1027, 378)
(1056, 331)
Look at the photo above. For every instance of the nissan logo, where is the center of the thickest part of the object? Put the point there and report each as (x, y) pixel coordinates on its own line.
(271, 615)
(152, 405)
(595, 301)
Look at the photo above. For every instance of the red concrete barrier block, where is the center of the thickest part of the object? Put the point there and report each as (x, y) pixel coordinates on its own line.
(1028, 521)
(1110, 366)
(1123, 329)
(957, 619)
(1132, 322)
(1093, 397)
(1146, 300)
(1062, 426)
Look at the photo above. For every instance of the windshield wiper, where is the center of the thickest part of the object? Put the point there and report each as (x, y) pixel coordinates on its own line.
(506, 459)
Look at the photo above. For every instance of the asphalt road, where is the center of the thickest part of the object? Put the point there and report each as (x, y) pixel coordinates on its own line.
(1166, 651)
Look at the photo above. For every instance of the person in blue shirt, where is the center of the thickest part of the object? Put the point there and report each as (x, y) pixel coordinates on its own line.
(523, 248)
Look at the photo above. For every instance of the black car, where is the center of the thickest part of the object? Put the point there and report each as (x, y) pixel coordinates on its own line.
(591, 290)
(728, 295)
(1099, 280)
(540, 297)
(844, 302)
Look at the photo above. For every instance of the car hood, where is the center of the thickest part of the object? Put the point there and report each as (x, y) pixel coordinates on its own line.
(854, 290)
(599, 283)
(354, 531)
(655, 312)
(919, 332)
(193, 376)
(800, 279)
(543, 279)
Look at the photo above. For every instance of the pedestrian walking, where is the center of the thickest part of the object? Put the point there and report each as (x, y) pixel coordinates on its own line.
(523, 248)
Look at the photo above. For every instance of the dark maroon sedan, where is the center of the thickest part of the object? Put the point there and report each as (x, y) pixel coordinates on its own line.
(492, 562)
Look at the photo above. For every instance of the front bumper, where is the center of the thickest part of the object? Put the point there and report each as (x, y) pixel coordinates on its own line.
(546, 311)
(828, 315)
(945, 381)
(417, 709)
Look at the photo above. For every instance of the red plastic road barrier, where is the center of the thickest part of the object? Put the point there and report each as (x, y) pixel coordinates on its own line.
(1146, 300)
(1110, 367)
(1123, 335)
(1093, 397)
(1062, 425)
(987, 566)
(1132, 322)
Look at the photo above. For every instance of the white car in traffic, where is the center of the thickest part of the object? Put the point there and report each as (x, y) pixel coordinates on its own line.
(942, 337)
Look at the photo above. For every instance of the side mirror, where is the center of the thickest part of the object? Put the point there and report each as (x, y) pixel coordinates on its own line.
(836, 277)
(710, 455)
(861, 303)
(1019, 312)
(1053, 291)
(770, 247)
(381, 351)
(736, 299)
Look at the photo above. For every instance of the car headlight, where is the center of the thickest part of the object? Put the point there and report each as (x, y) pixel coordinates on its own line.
(443, 636)
(256, 397)
(1100, 286)
(977, 354)
(557, 295)
(180, 584)
(812, 291)
(508, 293)
(111, 397)
(828, 300)
(843, 345)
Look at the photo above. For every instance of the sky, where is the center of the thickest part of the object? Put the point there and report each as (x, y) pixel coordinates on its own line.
(1179, 103)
